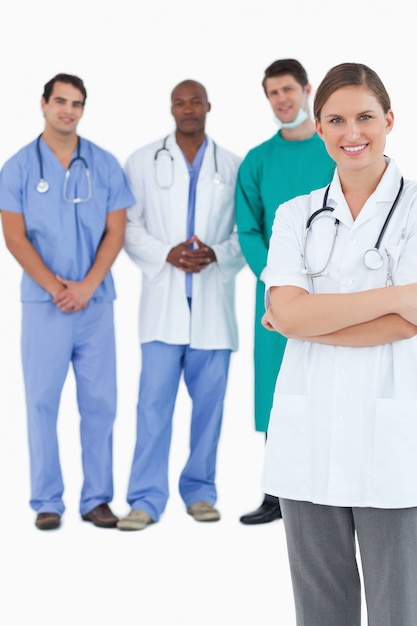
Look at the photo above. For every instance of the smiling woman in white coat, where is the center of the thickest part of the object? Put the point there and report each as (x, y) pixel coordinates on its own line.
(341, 285)
(181, 232)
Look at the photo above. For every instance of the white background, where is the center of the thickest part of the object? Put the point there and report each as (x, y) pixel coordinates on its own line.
(130, 55)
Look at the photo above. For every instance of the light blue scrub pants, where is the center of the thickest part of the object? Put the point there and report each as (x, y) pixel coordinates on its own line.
(205, 376)
(51, 340)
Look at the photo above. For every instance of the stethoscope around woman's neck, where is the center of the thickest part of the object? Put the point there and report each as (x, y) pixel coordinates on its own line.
(372, 257)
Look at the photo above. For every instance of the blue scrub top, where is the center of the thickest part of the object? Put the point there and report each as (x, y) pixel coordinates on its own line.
(66, 235)
(194, 172)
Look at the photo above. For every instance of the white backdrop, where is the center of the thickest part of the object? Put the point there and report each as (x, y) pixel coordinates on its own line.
(130, 55)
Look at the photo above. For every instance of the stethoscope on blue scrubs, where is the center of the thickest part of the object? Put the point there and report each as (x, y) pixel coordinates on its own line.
(372, 257)
(165, 152)
(43, 184)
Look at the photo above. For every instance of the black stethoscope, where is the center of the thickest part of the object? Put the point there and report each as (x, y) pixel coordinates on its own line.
(43, 184)
(164, 151)
(372, 257)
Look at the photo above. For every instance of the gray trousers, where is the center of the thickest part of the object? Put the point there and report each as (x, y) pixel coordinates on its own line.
(321, 542)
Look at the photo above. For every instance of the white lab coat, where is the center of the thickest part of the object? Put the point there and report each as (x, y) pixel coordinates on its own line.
(158, 221)
(343, 426)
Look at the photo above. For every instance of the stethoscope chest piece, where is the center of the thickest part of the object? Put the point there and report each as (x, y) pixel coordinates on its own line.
(373, 259)
(42, 186)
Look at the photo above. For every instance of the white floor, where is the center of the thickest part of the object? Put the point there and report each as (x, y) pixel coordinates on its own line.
(176, 572)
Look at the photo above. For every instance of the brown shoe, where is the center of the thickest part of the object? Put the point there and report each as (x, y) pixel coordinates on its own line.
(101, 516)
(47, 521)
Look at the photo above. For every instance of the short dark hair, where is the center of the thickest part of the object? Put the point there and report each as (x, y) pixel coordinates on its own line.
(286, 66)
(69, 79)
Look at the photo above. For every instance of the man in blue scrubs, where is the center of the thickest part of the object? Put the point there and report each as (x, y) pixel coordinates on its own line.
(63, 204)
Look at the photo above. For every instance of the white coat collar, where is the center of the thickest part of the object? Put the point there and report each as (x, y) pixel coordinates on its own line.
(385, 193)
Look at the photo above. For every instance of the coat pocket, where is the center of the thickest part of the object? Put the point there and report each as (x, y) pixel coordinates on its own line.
(395, 452)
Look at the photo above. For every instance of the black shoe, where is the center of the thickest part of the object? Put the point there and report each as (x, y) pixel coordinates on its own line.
(267, 512)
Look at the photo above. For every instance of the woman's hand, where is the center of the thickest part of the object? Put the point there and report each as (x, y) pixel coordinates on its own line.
(268, 320)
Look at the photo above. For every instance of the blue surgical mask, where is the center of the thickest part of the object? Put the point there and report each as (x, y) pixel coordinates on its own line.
(300, 118)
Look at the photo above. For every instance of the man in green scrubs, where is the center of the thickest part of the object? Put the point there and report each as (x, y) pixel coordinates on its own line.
(293, 162)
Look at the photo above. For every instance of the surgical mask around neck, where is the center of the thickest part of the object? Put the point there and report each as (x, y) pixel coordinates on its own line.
(301, 117)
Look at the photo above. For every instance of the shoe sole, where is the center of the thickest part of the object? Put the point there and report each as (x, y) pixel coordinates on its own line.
(132, 528)
(256, 523)
(202, 518)
(48, 526)
(105, 525)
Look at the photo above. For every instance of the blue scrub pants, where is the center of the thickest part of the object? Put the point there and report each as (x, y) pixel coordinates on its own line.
(51, 340)
(205, 376)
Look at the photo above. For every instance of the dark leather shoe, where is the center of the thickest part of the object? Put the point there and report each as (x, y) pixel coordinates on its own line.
(101, 516)
(267, 512)
(47, 521)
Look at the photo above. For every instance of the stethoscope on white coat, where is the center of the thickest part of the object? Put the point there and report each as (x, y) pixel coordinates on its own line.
(372, 257)
(216, 178)
(43, 184)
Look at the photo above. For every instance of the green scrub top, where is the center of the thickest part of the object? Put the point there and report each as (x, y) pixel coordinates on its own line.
(272, 173)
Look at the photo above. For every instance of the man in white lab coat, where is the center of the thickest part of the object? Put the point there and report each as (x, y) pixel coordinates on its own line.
(182, 234)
